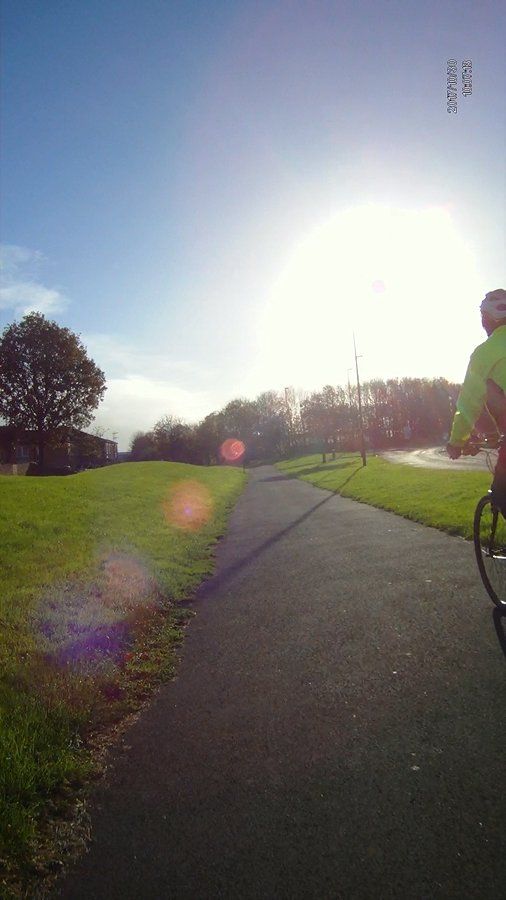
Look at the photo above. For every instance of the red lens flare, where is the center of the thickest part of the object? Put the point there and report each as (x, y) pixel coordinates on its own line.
(232, 450)
(378, 286)
(188, 506)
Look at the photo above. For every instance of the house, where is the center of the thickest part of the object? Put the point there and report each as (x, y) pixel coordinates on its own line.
(67, 451)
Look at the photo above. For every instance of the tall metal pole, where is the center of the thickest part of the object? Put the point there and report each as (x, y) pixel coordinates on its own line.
(349, 385)
(289, 419)
(361, 422)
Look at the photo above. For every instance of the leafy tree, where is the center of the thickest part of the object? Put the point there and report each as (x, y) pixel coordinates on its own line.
(47, 380)
(142, 446)
(240, 418)
(173, 439)
(209, 435)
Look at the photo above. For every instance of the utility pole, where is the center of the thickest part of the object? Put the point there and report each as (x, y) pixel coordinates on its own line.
(361, 422)
(289, 418)
(349, 385)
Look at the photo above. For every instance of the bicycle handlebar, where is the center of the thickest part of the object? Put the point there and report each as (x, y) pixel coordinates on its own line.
(474, 446)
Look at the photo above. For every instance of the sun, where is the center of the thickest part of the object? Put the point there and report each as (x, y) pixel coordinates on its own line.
(376, 269)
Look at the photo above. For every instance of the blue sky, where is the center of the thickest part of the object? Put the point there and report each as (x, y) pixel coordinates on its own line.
(200, 190)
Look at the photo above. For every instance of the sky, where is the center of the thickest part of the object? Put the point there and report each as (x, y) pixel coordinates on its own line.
(217, 195)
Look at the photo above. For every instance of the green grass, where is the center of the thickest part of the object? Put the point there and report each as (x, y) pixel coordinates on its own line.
(92, 567)
(437, 497)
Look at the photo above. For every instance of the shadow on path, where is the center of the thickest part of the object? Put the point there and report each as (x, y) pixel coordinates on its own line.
(217, 580)
(499, 619)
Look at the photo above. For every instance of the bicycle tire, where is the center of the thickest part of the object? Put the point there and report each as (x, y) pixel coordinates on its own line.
(489, 532)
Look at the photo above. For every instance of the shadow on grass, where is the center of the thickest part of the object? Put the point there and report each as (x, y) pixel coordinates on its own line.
(325, 467)
(278, 478)
(339, 487)
(352, 475)
(310, 470)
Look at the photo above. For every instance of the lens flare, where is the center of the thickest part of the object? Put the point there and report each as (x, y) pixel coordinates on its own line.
(126, 581)
(82, 623)
(188, 506)
(232, 450)
(378, 286)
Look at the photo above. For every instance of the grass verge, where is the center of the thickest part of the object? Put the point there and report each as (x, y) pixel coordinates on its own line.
(437, 497)
(92, 569)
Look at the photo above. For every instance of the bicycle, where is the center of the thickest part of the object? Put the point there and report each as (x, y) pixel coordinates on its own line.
(489, 533)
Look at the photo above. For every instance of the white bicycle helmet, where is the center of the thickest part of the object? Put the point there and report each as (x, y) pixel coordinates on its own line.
(494, 305)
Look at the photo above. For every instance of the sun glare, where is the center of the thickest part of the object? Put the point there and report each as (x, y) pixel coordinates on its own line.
(380, 271)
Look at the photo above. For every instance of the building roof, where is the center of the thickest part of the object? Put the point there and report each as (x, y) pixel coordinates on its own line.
(24, 434)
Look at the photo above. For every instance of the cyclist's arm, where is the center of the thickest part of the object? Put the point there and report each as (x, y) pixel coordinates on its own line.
(470, 401)
(453, 451)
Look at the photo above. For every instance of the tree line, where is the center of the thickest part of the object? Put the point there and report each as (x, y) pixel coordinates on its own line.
(277, 424)
(48, 385)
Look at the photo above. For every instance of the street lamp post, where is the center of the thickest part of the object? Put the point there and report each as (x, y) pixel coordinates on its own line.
(361, 422)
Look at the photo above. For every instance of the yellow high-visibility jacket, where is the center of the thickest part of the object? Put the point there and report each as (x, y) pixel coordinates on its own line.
(485, 380)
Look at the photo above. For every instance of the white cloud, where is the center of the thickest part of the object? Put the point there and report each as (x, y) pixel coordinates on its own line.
(29, 296)
(135, 402)
(119, 357)
(143, 386)
(21, 291)
(13, 257)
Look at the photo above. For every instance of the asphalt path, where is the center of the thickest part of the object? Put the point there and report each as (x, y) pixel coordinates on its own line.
(437, 458)
(336, 728)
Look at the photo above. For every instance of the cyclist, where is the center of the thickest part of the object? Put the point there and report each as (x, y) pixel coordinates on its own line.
(485, 386)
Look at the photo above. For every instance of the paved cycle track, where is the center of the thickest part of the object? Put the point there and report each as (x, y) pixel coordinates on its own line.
(336, 728)
(437, 458)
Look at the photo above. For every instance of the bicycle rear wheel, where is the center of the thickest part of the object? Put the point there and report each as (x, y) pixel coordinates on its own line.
(490, 548)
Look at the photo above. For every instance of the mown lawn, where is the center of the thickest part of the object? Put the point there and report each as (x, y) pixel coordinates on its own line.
(437, 497)
(91, 569)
